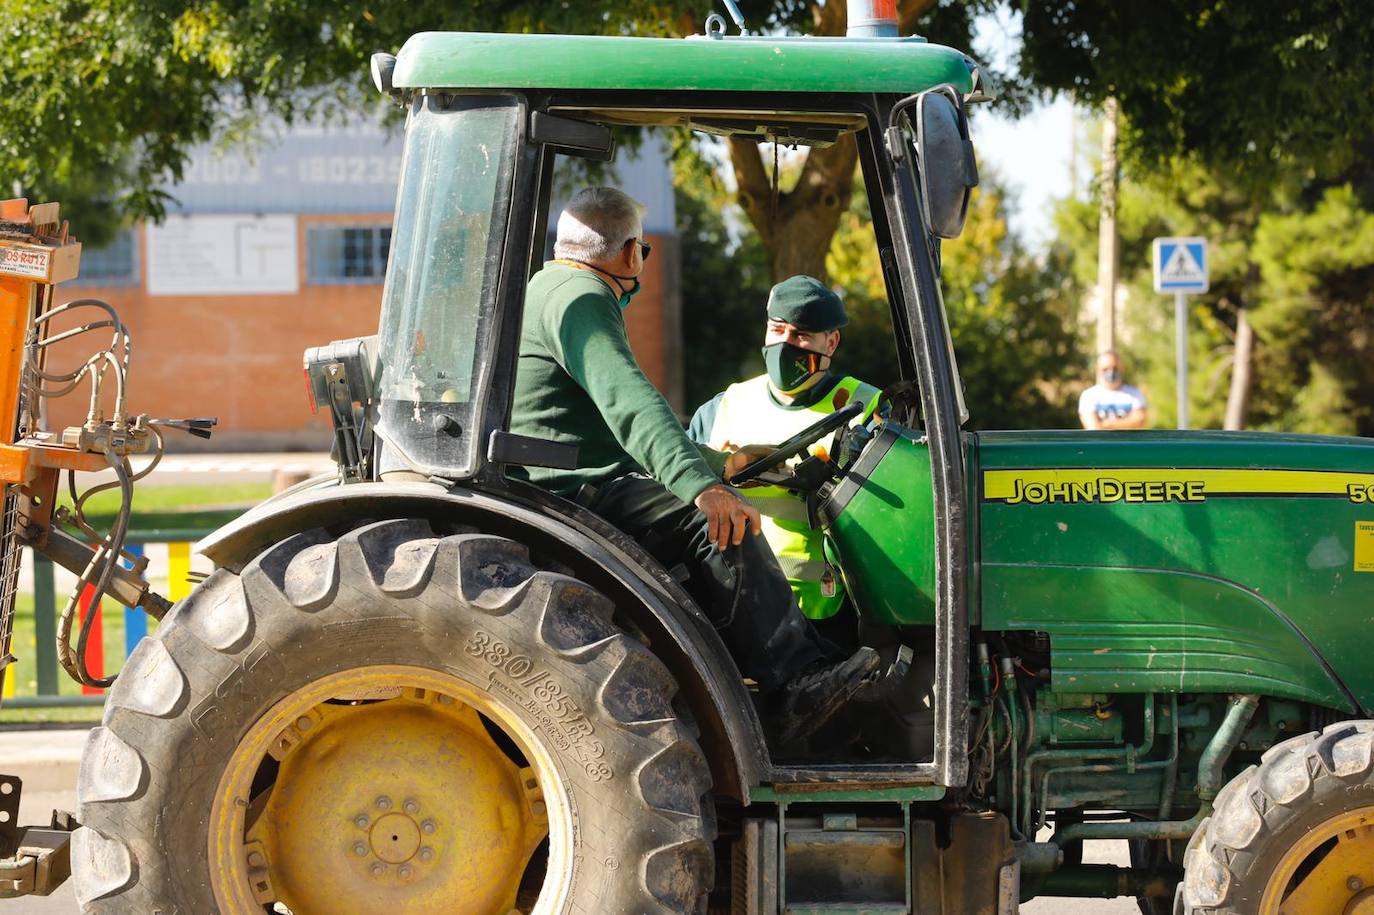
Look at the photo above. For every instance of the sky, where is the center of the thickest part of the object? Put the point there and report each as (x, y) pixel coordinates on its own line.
(1031, 155)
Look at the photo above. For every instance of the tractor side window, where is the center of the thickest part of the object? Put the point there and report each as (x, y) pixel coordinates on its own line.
(442, 276)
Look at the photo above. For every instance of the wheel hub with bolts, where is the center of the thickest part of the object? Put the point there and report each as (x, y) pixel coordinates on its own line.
(1329, 872)
(402, 804)
(394, 838)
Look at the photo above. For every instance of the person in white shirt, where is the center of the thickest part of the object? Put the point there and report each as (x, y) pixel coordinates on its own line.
(1111, 403)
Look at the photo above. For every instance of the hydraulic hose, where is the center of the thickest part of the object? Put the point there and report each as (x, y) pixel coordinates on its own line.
(103, 562)
(1210, 778)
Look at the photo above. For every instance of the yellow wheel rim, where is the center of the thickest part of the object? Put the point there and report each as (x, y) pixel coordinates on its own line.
(1329, 871)
(381, 789)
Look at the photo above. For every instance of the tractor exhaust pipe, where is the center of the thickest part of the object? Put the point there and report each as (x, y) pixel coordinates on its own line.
(872, 19)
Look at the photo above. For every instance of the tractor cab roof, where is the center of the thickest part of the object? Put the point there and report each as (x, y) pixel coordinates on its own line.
(467, 60)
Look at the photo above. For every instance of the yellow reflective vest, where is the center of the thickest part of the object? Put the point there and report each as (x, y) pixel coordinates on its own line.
(748, 415)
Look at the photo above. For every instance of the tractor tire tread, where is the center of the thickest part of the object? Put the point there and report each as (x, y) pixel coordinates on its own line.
(123, 858)
(1258, 814)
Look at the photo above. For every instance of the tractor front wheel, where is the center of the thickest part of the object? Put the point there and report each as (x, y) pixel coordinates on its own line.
(1291, 836)
(393, 721)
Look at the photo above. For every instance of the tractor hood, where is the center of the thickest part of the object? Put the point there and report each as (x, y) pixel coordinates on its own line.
(1183, 561)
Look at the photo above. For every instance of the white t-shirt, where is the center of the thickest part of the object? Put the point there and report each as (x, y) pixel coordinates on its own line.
(1105, 402)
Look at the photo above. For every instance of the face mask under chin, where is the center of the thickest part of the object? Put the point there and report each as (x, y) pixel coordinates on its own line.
(790, 367)
(628, 294)
(625, 294)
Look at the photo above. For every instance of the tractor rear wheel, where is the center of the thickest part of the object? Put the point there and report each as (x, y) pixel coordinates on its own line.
(393, 721)
(1291, 836)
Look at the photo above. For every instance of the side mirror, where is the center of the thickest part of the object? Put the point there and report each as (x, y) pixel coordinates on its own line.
(948, 169)
(383, 68)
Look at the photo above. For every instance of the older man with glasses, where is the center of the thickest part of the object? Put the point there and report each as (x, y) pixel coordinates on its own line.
(578, 382)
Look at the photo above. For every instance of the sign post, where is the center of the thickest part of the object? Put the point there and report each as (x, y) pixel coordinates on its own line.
(1181, 268)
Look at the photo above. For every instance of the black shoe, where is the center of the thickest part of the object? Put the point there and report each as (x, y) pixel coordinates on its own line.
(809, 700)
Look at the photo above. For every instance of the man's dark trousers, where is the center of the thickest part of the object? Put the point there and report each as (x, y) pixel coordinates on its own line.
(742, 589)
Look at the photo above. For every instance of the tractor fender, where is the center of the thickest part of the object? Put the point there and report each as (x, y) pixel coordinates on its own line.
(558, 531)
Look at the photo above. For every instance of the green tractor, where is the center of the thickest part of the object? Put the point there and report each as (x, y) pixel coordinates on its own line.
(424, 686)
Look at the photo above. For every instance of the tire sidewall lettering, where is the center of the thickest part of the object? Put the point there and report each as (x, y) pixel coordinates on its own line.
(536, 690)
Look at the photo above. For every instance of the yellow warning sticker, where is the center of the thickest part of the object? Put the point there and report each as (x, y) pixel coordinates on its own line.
(1364, 546)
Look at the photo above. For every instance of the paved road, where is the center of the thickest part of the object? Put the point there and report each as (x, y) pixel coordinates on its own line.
(1093, 853)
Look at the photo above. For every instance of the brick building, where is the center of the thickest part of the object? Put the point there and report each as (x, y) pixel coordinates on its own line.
(267, 253)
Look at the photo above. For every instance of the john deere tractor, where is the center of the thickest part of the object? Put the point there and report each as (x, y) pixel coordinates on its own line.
(420, 685)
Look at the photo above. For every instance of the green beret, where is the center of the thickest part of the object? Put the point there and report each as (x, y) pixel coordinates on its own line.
(807, 304)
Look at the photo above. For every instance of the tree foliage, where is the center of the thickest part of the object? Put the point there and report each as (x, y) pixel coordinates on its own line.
(1299, 259)
(725, 280)
(114, 94)
(1012, 316)
(1255, 87)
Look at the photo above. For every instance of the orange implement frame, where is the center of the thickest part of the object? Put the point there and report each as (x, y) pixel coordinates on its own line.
(35, 254)
(16, 304)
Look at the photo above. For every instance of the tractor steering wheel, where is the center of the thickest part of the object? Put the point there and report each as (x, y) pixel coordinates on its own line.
(796, 445)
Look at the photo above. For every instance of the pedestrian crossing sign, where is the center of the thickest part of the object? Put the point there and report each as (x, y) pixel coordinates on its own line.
(1180, 264)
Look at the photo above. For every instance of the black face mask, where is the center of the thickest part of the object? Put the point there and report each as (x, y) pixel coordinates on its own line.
(789, 367)
(1111, 376)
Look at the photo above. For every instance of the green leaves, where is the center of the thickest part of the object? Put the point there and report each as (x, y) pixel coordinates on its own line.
(1298, 257)
(1256, 87)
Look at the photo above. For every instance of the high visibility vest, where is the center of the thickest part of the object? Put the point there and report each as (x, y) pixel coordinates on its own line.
(748, 415)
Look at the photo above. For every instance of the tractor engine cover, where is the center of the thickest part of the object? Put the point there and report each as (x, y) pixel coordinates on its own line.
(879, 523)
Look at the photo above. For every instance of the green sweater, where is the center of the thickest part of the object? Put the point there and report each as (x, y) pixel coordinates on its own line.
(578, 382)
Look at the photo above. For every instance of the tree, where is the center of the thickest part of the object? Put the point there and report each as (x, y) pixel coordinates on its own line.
(1231, 133)
(728, 279)
(126, 89)
(1012, 316)
(1290, 270)
(1254, 87)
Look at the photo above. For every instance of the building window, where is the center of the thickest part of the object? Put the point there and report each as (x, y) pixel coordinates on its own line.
(115, 264)
(347, 254)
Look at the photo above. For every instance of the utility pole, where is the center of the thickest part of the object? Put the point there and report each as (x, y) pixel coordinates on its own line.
(1107, 253)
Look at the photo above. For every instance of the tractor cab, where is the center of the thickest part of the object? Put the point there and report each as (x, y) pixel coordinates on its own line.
(478, 196)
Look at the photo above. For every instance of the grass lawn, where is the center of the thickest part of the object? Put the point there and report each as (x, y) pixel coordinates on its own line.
(200, 507)
(164, 507)
(24, 672)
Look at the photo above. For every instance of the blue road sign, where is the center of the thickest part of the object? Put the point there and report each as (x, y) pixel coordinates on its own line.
(1180, 265)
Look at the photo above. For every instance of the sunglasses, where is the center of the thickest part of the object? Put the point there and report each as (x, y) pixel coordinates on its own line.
(644, 247)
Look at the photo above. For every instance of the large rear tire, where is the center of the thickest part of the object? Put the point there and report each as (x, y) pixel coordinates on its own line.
(343, 727)
(1291, 836)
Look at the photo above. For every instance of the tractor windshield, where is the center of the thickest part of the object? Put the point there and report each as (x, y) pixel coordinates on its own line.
(441, 279)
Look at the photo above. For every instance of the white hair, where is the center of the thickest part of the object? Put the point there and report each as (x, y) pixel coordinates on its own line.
(596, 223)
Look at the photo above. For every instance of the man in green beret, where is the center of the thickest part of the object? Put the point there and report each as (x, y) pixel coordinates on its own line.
(798, 390)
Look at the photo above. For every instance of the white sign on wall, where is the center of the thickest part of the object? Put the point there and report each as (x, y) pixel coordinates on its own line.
(223, 255)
